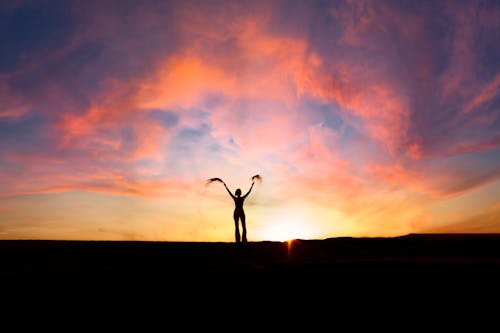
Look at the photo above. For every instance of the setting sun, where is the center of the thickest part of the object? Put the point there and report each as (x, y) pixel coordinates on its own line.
(288, 226)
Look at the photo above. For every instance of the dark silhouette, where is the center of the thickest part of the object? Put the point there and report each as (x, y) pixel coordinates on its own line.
(430, 270)
(239, 213)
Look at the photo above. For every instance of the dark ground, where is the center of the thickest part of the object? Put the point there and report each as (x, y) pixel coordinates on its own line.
(425, 257)
(439, 270)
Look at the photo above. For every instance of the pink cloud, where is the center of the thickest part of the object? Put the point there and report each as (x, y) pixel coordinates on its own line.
(85, 178)
(437, 181)
(265, 70)
(472, 147)
(490, 91)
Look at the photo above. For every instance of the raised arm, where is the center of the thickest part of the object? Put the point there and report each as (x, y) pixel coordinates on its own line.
(232, 196)
(249, 190)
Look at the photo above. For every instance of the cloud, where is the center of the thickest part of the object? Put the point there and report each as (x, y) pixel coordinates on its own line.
(374, 110)
(487, 94)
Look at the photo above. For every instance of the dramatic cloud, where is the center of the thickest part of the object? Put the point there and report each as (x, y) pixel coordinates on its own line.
(361, 116)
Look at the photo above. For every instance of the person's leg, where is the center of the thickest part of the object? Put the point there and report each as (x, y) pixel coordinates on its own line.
(244, 227)
(236, 228)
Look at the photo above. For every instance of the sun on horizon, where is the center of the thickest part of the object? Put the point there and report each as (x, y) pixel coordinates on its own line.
(286, 227)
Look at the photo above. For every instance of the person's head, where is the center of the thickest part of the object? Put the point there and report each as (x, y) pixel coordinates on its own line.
(237, 192)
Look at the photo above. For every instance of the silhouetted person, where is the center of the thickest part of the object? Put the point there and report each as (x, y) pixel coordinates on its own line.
(239, 213)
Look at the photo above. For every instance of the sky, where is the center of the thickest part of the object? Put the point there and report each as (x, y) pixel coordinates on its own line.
(364, 118)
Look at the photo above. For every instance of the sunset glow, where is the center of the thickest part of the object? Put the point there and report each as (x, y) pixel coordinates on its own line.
(288, 226)
(364, 118)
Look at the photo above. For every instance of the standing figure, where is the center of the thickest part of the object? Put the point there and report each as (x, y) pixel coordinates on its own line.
(239, 213)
